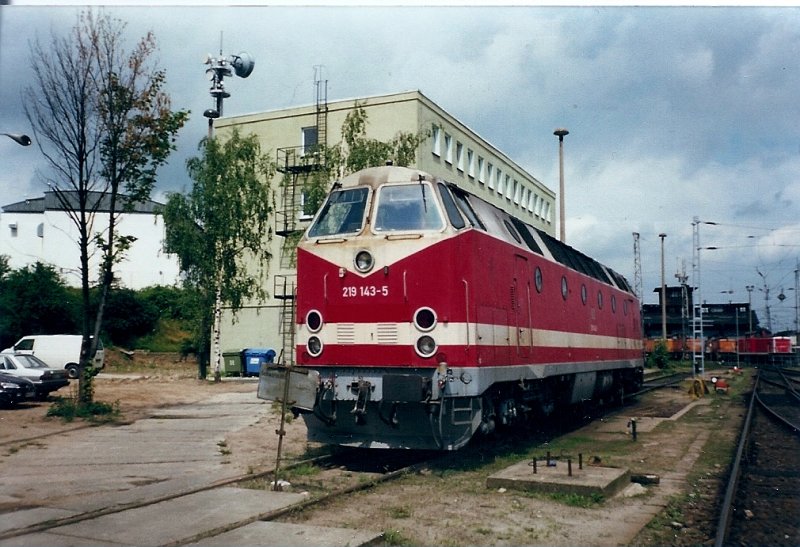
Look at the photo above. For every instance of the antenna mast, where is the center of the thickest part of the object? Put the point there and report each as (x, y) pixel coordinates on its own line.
(637, 269)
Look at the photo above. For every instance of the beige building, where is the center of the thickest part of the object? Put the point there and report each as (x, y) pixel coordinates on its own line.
(452, 152)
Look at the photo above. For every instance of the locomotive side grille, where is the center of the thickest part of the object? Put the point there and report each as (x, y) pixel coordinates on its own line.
(387, 333)
(346, 333)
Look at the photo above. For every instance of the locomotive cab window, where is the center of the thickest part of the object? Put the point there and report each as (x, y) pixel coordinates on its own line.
(343, 213)
(407, 207)
(450, 207)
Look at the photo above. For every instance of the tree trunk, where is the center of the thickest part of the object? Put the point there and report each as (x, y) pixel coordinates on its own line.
(217, 322)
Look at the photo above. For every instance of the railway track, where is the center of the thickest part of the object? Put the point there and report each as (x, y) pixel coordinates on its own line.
(762, 499)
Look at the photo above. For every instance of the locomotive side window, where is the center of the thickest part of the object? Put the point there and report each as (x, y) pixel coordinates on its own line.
(512, 231)
(406, 207)
(466, 208)
(583, 294)
(343, 213)
(537, 279)
(450, 208)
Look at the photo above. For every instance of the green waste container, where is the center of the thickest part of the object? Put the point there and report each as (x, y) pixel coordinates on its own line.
(232, 363)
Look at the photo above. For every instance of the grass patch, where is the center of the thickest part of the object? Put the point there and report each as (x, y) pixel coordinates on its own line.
(570, 499)
(401, 512)
(395, 537)
(302, 470)
(168, 336)
(68, 409)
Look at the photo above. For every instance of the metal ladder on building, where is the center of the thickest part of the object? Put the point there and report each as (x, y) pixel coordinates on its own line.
(285, 290)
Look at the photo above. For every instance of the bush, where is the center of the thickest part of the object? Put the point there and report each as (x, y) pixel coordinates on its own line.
(660, 356)
(127, 317)
(67, 408)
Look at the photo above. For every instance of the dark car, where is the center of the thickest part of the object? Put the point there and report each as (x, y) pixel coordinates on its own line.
(15, 389)
(44, 378)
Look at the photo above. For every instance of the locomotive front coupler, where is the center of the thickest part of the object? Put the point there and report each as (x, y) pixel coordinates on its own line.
(363, 389)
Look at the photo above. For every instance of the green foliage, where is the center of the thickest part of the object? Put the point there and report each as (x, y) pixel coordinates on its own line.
(171, 302)
(220, 230)
(127, 317)
(68, 409)
(357, 151)
(659, 358)
(34, 300)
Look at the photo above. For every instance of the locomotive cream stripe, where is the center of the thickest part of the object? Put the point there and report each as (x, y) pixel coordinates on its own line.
(460, 334)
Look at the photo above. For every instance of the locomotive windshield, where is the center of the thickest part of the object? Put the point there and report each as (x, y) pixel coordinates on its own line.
(343, 213)
(407, 207)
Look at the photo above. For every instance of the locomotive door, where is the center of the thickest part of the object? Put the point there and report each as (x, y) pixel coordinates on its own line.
(521, 306)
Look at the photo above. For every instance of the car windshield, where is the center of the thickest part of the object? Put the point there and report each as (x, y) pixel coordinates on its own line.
(343, 213)
(29, 361)
(407, 207)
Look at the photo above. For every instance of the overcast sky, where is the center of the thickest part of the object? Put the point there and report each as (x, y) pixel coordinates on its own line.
(673, 112)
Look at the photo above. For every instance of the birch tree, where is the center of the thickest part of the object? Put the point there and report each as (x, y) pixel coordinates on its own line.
(220, 230)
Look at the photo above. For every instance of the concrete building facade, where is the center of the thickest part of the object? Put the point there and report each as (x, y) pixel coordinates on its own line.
(451, 151)
(39, 230)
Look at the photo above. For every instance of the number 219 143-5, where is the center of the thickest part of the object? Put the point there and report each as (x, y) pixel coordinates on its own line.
(368, 291)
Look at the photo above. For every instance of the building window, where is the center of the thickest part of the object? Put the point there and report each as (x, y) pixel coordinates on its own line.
(459, 156)
(13, 227)
(309, 136)
(500, 182)
(532, 199)
(436, 141)
(508, 187)
(470, 163)
(490, 175)
(448, 148)
(516, 191)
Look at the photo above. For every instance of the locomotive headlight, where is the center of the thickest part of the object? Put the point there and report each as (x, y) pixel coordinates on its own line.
(425, 319)
(314, 346)
(364, 261)
(314, 321)
(426, 346)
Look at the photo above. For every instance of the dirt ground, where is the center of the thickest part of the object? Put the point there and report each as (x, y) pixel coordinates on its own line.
(444, 507)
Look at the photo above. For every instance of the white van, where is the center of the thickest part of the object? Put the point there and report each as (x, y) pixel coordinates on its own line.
(57, 350)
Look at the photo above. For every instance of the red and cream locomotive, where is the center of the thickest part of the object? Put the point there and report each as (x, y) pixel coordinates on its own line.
(426, 315)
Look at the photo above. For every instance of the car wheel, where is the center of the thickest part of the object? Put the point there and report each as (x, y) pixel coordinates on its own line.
(72, 370)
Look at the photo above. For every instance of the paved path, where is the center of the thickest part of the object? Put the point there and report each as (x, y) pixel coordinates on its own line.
(106, 469)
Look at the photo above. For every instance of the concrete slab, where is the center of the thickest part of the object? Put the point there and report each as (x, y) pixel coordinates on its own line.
(291, 535)
(28, 517)
(182, 518)
(605, 481)
(46, 538)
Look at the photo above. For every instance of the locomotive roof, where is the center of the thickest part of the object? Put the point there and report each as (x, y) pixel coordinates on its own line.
(375, 176)
(557, 250)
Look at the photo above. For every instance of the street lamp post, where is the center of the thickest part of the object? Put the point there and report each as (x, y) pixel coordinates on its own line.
(750, 308)
(663, 293)
(561, 133)
(20, 139)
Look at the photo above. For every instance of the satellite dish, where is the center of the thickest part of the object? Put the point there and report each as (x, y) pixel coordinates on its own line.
(242, 64)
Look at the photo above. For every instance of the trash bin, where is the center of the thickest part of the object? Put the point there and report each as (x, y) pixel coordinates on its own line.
(232, 363)
(255, 357)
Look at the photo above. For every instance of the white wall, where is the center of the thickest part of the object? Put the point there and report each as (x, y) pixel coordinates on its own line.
(52, 238)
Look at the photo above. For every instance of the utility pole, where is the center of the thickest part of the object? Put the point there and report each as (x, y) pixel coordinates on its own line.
(663, 293)
(561, 133)
(750, 308)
